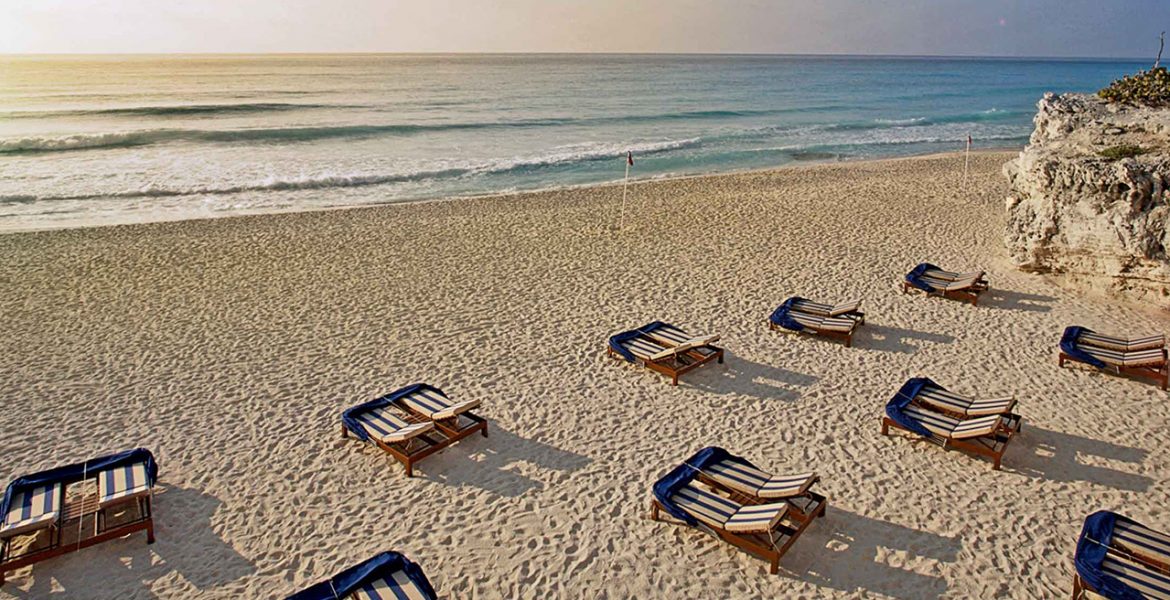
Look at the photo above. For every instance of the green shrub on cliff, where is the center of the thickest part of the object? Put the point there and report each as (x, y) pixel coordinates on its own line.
(1146, 88)
(1122, 151)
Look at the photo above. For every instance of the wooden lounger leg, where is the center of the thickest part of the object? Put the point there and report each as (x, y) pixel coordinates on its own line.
(653, 510)
(150, 531)
(775, 566)
(885, 427)
(344, 432)
(674, 379)
(409, 467)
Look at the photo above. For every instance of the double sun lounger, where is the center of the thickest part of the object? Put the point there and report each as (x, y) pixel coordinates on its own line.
(387, 576)
(1140, 357)
(935, 281)
(927, 409)
(1120, 559)
(835, 321)
(733, 499)
(664, 348)
(413, 422)
(114, 501)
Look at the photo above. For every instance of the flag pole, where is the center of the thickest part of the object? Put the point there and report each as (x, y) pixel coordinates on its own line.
(625, 187)
(967, 156)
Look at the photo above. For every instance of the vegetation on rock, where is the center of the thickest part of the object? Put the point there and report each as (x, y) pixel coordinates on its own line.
(1146, 88)
(1122, 151)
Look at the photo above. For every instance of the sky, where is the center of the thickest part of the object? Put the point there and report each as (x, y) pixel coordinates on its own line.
(1049, 28)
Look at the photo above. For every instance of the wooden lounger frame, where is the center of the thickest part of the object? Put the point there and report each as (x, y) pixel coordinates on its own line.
(992, 446)
(970, 293)
(762, 544)
(71, 524)
(449, 432)
(676, 364)
(1160, 373)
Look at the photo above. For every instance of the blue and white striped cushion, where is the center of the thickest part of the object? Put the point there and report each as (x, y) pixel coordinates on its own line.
(1152, 584)
(397, 586)
(1126, 344)
(1142, 541)
(386, 426)
(1140, 358)
(947, 400)
(949, 427)
(724, 513)
(32, 509)
(642, 348)
(705, 505)
(822, 323)
(436, 405)
(758, 518)
(121, 483)
(951, 275)
(671, 336)
(754, 482)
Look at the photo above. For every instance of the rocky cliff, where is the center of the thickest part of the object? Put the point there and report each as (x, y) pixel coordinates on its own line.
(1089, 199)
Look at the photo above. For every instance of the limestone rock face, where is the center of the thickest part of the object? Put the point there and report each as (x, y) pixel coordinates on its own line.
(1091, 220)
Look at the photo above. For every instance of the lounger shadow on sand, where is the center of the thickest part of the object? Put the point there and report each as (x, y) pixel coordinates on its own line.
(1065, 457)
(853, 565)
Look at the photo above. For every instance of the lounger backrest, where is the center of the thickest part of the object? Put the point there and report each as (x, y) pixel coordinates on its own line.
(1139, 358)
(1142, 541)
(823, 323)
(383, 421)
(396, 586)
(669, 335)
(944, 398)
(844, 307)
(953, 276)
(1122, 344)
(705, 505)
(949, 427)
(1152, 584)
(126, 481)
(32, 509)
(643, 348)
(427, 401)
(737, 476)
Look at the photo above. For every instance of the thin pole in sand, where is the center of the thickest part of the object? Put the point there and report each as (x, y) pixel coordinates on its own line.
(967, 156)
(625, 187)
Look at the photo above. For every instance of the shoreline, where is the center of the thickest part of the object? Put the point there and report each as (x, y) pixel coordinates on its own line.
(552, 189)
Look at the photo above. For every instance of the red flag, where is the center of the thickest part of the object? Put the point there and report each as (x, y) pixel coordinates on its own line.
(629, 158)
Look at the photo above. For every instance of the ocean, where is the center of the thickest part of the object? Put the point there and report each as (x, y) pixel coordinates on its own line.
(93, 140)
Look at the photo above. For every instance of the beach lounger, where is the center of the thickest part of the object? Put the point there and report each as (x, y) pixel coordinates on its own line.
(112, 492)
(798, 314)
(938, 282)
(939, 398)
(1120, 559)
(386, 576)
(664, 348)
(747, 483)
(1083, 345)
(454, 419)
(398, 432)
(987, 435)
(759, 528)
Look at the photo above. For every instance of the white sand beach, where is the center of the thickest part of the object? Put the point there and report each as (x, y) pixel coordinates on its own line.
(230, 348)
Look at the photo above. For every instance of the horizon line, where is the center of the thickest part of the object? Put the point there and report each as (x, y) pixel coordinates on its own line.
(579, 53)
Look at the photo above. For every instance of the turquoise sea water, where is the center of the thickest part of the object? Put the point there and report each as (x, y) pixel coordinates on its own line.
(96, 140)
